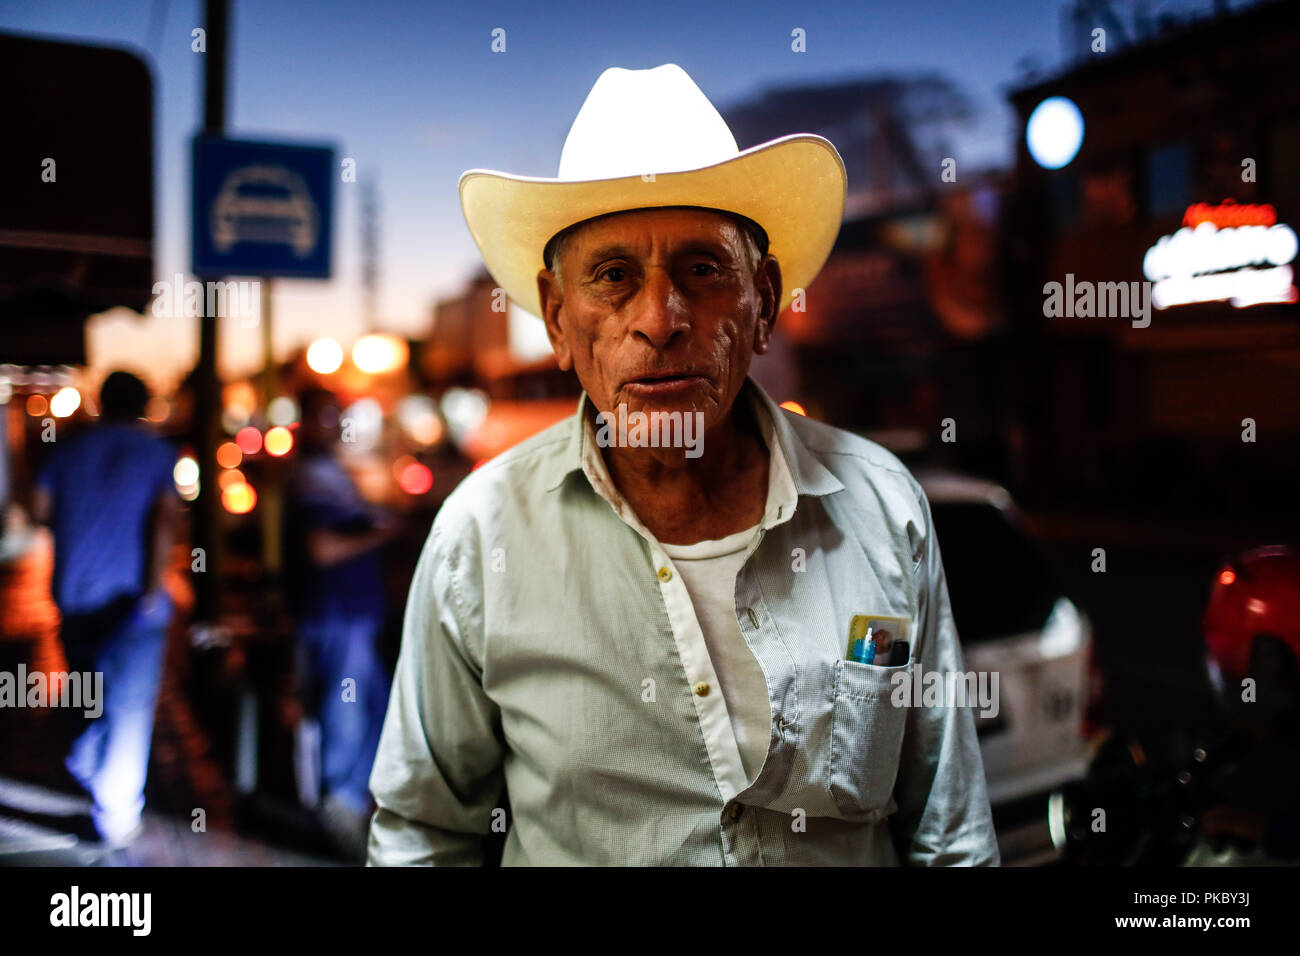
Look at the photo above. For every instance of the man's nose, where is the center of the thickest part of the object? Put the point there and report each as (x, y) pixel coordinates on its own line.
(661, 310)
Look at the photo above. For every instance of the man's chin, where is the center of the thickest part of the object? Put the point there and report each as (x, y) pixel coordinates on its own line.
(657, 426)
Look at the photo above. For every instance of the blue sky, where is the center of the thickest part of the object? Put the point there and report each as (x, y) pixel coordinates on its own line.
(414, 93)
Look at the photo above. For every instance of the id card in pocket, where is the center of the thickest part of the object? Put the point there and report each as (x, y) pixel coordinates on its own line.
(885, 631)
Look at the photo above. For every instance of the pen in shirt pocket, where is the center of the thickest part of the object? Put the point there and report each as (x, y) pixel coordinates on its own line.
(863, 650)
(880, 649)
(868, 653)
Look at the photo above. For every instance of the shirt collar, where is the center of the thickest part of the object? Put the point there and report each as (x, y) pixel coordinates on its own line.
(795, 470)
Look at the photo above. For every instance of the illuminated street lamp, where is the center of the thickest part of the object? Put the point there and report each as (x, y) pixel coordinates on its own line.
(229, 455)
(324, 356)
(380, 352)
(239, 498)
(249, 440)
(185, 475)
(279, 440)
(65, 401)
(1054, 132)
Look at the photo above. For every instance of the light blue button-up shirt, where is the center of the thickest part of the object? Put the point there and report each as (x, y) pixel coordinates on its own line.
(548, 685)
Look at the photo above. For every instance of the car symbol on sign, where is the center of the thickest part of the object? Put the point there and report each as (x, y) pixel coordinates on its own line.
(267, 204)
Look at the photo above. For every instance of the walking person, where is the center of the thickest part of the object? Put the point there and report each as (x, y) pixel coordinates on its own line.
(109, 499)
(334, 576)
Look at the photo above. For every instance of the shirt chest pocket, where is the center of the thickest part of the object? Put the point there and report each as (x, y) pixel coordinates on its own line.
(866, 737)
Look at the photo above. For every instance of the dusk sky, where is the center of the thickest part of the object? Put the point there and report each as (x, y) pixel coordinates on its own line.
(414, 93)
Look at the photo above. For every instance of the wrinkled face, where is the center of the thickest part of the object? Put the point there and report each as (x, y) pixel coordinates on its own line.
(661, 310)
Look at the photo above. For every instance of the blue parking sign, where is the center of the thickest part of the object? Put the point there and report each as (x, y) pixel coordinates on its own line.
(262, 209)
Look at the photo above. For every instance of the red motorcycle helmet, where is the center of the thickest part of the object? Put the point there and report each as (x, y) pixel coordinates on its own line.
(1252, 624)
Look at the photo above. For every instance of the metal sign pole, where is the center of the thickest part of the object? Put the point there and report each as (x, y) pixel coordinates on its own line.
(271, 492)
(207, 411)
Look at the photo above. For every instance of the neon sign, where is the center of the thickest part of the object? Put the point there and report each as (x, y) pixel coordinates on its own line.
(1230, 214)
(1235, 253)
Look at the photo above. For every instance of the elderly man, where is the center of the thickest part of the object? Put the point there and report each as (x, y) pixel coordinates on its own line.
(620, 650)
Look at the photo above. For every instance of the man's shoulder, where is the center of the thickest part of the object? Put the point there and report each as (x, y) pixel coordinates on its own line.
(515, 479)
(132, 435)
(852, 457)
(877, 483)
(163, 446)
(86, 446)
(160, 450)
(316, 466)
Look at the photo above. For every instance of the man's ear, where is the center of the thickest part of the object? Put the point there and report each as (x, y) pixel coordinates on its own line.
(552, 298)
(768, 281)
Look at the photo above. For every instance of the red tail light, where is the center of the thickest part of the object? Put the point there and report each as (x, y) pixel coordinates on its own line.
(1094, 712)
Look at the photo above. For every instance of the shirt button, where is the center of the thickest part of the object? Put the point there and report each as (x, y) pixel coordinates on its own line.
(665, 574)
(733, 811)
(780, 724)
(702, 688)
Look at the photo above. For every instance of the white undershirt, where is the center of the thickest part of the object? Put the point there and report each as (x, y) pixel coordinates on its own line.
(700, 602)
(709, 569)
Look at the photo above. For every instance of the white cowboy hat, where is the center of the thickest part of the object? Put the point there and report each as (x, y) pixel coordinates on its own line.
(650, 138)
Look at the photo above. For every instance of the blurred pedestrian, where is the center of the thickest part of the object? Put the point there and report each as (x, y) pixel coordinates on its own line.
(110, 501)
(334, 582)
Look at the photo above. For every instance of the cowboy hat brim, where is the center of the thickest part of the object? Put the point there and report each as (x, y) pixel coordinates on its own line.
(793, 187)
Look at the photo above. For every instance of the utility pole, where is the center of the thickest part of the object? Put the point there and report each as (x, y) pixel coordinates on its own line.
(271, 503)
(207, 411)
(369, 254)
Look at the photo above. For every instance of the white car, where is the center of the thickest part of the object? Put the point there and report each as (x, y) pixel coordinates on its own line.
(1012, 618)
(264, 204)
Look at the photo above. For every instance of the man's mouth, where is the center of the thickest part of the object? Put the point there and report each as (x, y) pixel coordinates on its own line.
(662, 384)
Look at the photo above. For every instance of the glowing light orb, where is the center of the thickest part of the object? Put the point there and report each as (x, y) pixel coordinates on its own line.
(1054, 132)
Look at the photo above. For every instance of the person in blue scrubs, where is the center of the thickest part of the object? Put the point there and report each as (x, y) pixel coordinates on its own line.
(109, 498)
(334, 582)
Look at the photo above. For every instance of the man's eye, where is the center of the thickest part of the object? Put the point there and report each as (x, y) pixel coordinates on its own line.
(612, 274)
(704, 269)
